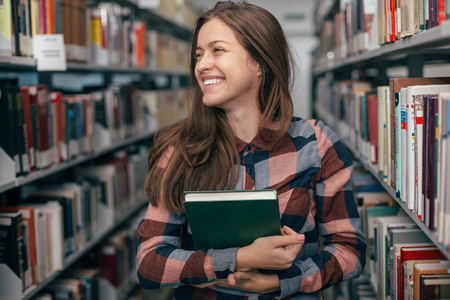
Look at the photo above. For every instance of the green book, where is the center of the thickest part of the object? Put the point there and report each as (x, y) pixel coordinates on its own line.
(226, 219)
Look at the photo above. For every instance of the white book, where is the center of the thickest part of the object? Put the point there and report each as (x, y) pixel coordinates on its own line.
(381, 129)
(56, 233)
(105, 173)
(389, 132)
(418, 153)
(441, 197)
(410, 144)
(403, 138)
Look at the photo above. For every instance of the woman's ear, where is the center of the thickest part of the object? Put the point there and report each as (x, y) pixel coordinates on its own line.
(259, 70)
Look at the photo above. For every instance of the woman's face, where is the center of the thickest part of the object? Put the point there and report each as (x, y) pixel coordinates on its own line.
(226, 73)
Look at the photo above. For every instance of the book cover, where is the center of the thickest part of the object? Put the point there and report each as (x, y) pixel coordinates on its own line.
(5, 28)
(12, 245)
(20, 133)
(225, 219)
(27, 214)
(435, 286)
(382, 92)
(384, 224)
(396, 282)
(372, 103)
(28, 125)
(431, 163)
(427, 267)
(415, 253)
(109, 264)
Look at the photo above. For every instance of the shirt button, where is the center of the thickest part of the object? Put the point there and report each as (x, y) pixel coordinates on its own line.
(249, 147)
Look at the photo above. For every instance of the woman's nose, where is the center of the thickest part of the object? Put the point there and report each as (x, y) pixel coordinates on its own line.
(204, 63)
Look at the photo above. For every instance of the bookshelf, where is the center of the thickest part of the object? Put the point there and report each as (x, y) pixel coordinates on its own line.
(171, 21)
(342, 77)
(29, 293)
(434, 41)
(374, 171)
(26, 64)
(40, 174)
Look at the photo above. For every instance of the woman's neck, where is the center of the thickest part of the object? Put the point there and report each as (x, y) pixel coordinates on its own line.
(245, 124)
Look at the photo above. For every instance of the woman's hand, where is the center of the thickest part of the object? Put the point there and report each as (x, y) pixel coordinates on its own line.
(270, 253)
(253, 281)
(250, 281)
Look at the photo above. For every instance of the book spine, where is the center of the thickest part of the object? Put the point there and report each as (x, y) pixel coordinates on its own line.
(408, 280)
(410, 145)
(21, 135)
(419, 117)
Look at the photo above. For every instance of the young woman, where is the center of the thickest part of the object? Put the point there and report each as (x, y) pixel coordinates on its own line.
(240, 134)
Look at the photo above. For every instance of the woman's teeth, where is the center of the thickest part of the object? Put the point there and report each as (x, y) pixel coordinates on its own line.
(212, 81)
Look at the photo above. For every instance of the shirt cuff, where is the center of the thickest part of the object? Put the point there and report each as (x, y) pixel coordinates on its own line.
(224, 262)
(290, 282)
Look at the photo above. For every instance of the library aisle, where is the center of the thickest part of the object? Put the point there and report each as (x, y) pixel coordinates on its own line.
(381, 80)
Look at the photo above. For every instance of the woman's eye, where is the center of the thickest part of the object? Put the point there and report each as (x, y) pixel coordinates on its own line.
(197, 55)
(218, 49)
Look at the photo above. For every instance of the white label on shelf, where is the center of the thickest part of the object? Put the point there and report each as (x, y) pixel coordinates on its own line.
(49, 51)
(148, 3)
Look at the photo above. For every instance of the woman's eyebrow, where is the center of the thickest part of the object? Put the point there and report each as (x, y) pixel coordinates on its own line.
(212, 43)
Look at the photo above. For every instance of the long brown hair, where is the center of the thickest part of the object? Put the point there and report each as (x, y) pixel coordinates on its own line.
(204, 155)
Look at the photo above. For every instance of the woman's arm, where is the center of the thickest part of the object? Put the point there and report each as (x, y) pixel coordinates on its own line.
(162, 263)
(337, 220)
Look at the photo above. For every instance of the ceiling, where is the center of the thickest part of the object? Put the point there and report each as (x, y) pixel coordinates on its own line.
(296, 16)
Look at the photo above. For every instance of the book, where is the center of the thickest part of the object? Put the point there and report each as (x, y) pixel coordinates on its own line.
(225, 219)
(12, 245)
(384, 225)
(424, 267)
(408, 275)
(5, 29)
(395, 84)
(435, 286)
(415, 253)
(27, 216)
(396, 239)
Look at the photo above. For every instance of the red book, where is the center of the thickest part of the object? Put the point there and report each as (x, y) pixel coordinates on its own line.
(109, 264)
(55, 98)
(28, 125)
(34, 105)
(372, 103)
(441, 11)
(393, 23)
(44, 129)
(415, 253)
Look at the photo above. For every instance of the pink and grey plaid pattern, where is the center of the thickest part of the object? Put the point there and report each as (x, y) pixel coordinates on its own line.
(311, 171)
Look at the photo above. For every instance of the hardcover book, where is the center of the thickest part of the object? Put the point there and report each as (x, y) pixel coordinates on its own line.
(225, 219)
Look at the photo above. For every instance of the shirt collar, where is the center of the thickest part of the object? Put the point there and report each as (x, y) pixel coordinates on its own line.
(258, 142)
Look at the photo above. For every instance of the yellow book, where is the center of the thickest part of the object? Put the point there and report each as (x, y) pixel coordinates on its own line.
(5, 28)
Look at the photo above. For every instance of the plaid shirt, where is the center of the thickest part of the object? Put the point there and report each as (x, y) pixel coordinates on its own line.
(311, 171)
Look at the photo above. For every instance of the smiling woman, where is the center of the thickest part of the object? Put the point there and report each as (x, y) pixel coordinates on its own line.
(240, 134)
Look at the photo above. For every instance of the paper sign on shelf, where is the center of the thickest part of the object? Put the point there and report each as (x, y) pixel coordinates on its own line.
(49, 51)
(148, 3)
